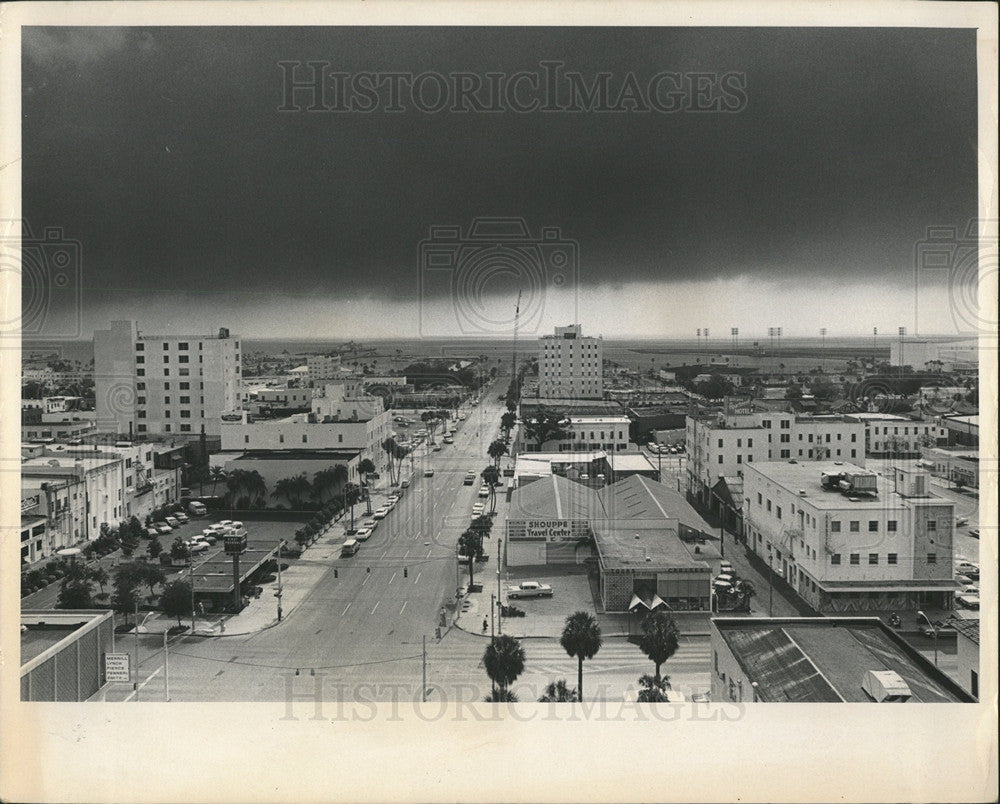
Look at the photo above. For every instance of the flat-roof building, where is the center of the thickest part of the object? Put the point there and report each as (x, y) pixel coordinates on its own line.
(846, 539)
(62, 653)
(570, 366)
(822, 660)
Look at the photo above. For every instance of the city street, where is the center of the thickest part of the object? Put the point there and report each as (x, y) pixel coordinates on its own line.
(366, 617)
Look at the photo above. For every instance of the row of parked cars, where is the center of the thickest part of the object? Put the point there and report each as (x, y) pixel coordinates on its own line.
(665, 449)
(364, 532)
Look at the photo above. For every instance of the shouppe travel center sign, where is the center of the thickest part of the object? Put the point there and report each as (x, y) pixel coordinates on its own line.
(552, 530)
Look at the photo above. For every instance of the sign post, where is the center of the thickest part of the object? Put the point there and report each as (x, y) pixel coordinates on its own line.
(234, 546)
(117, 667)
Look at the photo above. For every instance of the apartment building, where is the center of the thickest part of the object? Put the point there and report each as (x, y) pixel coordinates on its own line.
(53, 515)
(889, 435)
(722, 444)
(96, 481)
(846, 539)
(582, 434)
(570, 366)
(323, 367)
(154, 385)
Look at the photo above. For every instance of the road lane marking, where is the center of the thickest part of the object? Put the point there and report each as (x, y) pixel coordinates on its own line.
(392, 578)
(345, 610)
(375, 606)
(404, 606)
(149, 678)
(367, 576)
(406, 554)
(429, 553)
(417, 578)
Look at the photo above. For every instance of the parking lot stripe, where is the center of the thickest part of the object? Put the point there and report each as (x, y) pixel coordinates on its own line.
(345, 610)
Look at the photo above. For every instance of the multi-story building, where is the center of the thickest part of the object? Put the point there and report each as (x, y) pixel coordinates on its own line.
(570, 366)
(847, 539)
(175, 385)
(95, 481)
(323, 367)
(722, 444)
(887, 434)
(934, 355)
(53, 516)
(343, 424)
(582, 434)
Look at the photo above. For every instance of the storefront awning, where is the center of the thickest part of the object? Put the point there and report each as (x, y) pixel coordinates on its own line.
(652, 604)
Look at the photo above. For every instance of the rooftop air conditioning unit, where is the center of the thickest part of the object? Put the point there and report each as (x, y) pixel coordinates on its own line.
(885, 686)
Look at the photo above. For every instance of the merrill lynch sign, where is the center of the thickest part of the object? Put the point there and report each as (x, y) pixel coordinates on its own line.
(552, 530)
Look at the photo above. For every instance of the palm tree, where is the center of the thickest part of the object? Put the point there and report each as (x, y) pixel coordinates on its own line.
(351, 496)
(216, 473)
(559, 692)
(327, 481)
(491, 475)
(496, 451)
(507, 421)
(504, 662)
(471, 543)
(284, 489)
(659, 638)
(653, 690)
(365, 467)
(390, 446)
(581, 637)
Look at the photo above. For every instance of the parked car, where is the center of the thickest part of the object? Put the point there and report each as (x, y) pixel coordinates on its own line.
(484, 491)
(529, 589)
(381, 513)
(404, 484)
(478, 509)
(436, 448)
(469, 479)
(968, 569)
(961, 520)
(371, 524)
(152, 532)
(210, 536)
(197, 508)
(461, 417)
(428, 473)
(174, 523)
(180, 516)
(362, 534)
(974, 533)
(448, 439)
(968, 601)
(393, 499)
(162, 527)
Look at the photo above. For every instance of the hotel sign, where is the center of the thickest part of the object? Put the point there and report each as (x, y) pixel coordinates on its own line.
(552, 530)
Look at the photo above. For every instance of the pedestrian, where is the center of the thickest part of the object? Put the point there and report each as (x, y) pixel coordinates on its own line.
(486, 624)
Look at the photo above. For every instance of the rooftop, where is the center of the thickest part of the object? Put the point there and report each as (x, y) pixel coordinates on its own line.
(967, 628)
(799, 476)
(652, 544)
(825, 659)
(292, 455)
(42, 631)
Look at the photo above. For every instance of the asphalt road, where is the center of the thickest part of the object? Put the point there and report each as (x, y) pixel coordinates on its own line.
(367, 616)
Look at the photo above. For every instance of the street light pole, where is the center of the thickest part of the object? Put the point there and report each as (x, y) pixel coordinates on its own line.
(137, 648)
(770, 588)
(933, 628)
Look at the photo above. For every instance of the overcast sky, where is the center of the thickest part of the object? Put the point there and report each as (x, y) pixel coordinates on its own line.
(199, 203)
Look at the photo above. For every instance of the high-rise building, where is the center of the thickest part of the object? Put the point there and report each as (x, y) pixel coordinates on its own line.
(570, 366)
(164, 385)
(324, 367)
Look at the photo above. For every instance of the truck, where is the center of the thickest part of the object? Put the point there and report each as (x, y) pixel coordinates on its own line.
(529, 589)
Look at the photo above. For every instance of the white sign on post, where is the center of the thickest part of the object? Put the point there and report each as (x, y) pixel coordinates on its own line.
(116, 667)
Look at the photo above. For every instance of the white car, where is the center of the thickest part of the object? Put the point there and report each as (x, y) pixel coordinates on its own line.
(381, 513)
(477, 509)
(371, 524)
(484, 491)
(363, 534)
(461, 417)
(448, 440)
(181, 517)
(393, 499)
(436, 448)
(174, 523)
(162, 527)
(404, 484)
(428, 473)
(152, 532)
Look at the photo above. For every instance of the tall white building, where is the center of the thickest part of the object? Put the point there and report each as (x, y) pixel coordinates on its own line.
(570, 366)
(173, 385)
(323, 367)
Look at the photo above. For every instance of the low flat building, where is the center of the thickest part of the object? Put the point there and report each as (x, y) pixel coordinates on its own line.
(275, 465)
(62, 653)
(887, 434)
(961, 430)
(958, 465)
(822, 660)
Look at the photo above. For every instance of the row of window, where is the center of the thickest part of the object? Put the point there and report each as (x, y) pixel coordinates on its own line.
(184, 400)
(183, 414)
(854, 526)
(906, 430)
(181, 345)
(184, 428)
(873, 559)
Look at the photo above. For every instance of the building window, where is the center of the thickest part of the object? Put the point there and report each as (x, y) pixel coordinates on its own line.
(140, 372)
(760, 498)
(931, 524)
(185, 414)
(281, 438)
(185, 428)
(872, 525)
(140, 359)
(835, 559)
(778, 511)
(166, 346)
(768, 505)
(873, 558)
(185, 386)
(305, 438)
(892, 525)
(720, 443)
(182, 346)
(855, 559)
(855, 526)
(246, 439)
(932, 558)
(182, 358)
(891, 558)
(185, 400)
(140, 347)
(720, 459)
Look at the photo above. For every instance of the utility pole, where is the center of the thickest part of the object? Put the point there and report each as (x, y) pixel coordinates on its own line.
(137, 647)
(191, 573)
(279, 593)
(423, 688)
(499, 613)
(770, 588)
(493, 599)
(166, 668)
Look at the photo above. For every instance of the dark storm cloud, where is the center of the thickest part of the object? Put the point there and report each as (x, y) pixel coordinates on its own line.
(163, 151)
